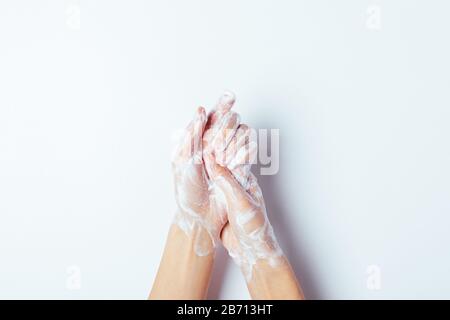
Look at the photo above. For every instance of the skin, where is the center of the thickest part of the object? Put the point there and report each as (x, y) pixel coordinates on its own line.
(218, 170)
(182, 274)
(272, 278)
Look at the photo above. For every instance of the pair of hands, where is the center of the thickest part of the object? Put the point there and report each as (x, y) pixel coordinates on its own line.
(218, 198)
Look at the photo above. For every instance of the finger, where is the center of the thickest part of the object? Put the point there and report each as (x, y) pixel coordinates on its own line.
(245, 135)
(192, 142)
(226, 156)
(226, 131)
(254, 189)
(246, 155)
(243, 211)
(199, 128)
(223, 138)
(241, 174)
(245, 151)
(222, 177)
(225, 103)
(253, 218)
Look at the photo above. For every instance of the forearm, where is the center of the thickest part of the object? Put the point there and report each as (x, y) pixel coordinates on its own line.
(274, 282)
(182, 274)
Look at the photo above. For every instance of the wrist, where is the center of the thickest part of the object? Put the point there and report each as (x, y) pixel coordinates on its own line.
(249, 250)
(182, 273)
(202, 235)
(274, 282)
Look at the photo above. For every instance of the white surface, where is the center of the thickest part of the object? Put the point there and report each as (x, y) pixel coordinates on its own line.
(86, 118)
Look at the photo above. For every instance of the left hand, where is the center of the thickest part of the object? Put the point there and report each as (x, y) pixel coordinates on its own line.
(192, 189)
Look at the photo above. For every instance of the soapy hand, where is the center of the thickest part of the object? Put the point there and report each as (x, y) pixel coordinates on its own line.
(213, 185)
(228, 155)
(218, 198)
(248, 236)
(227, 141)
(195, 215)
(200, 212)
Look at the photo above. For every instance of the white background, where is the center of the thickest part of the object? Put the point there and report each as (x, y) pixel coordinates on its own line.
(91, 92)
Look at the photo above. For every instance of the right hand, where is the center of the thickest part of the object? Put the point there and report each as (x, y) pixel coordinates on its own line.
(229, 150)
(248, 236)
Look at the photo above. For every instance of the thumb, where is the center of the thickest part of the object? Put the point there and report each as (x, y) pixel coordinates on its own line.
(222, 106)
(224, 179)
(197, 132)
(228, 238)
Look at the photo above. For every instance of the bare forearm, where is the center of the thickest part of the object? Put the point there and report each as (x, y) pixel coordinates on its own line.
(274, 282)
(182, 274)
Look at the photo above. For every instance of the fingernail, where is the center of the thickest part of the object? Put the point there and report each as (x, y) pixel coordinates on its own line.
(201, 114)
(227, 100)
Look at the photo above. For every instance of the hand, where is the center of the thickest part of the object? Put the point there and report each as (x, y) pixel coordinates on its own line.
(229, 151)
(248, 236)
(187, 262)
(192, 189)
(199, 212)
(213, 185)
